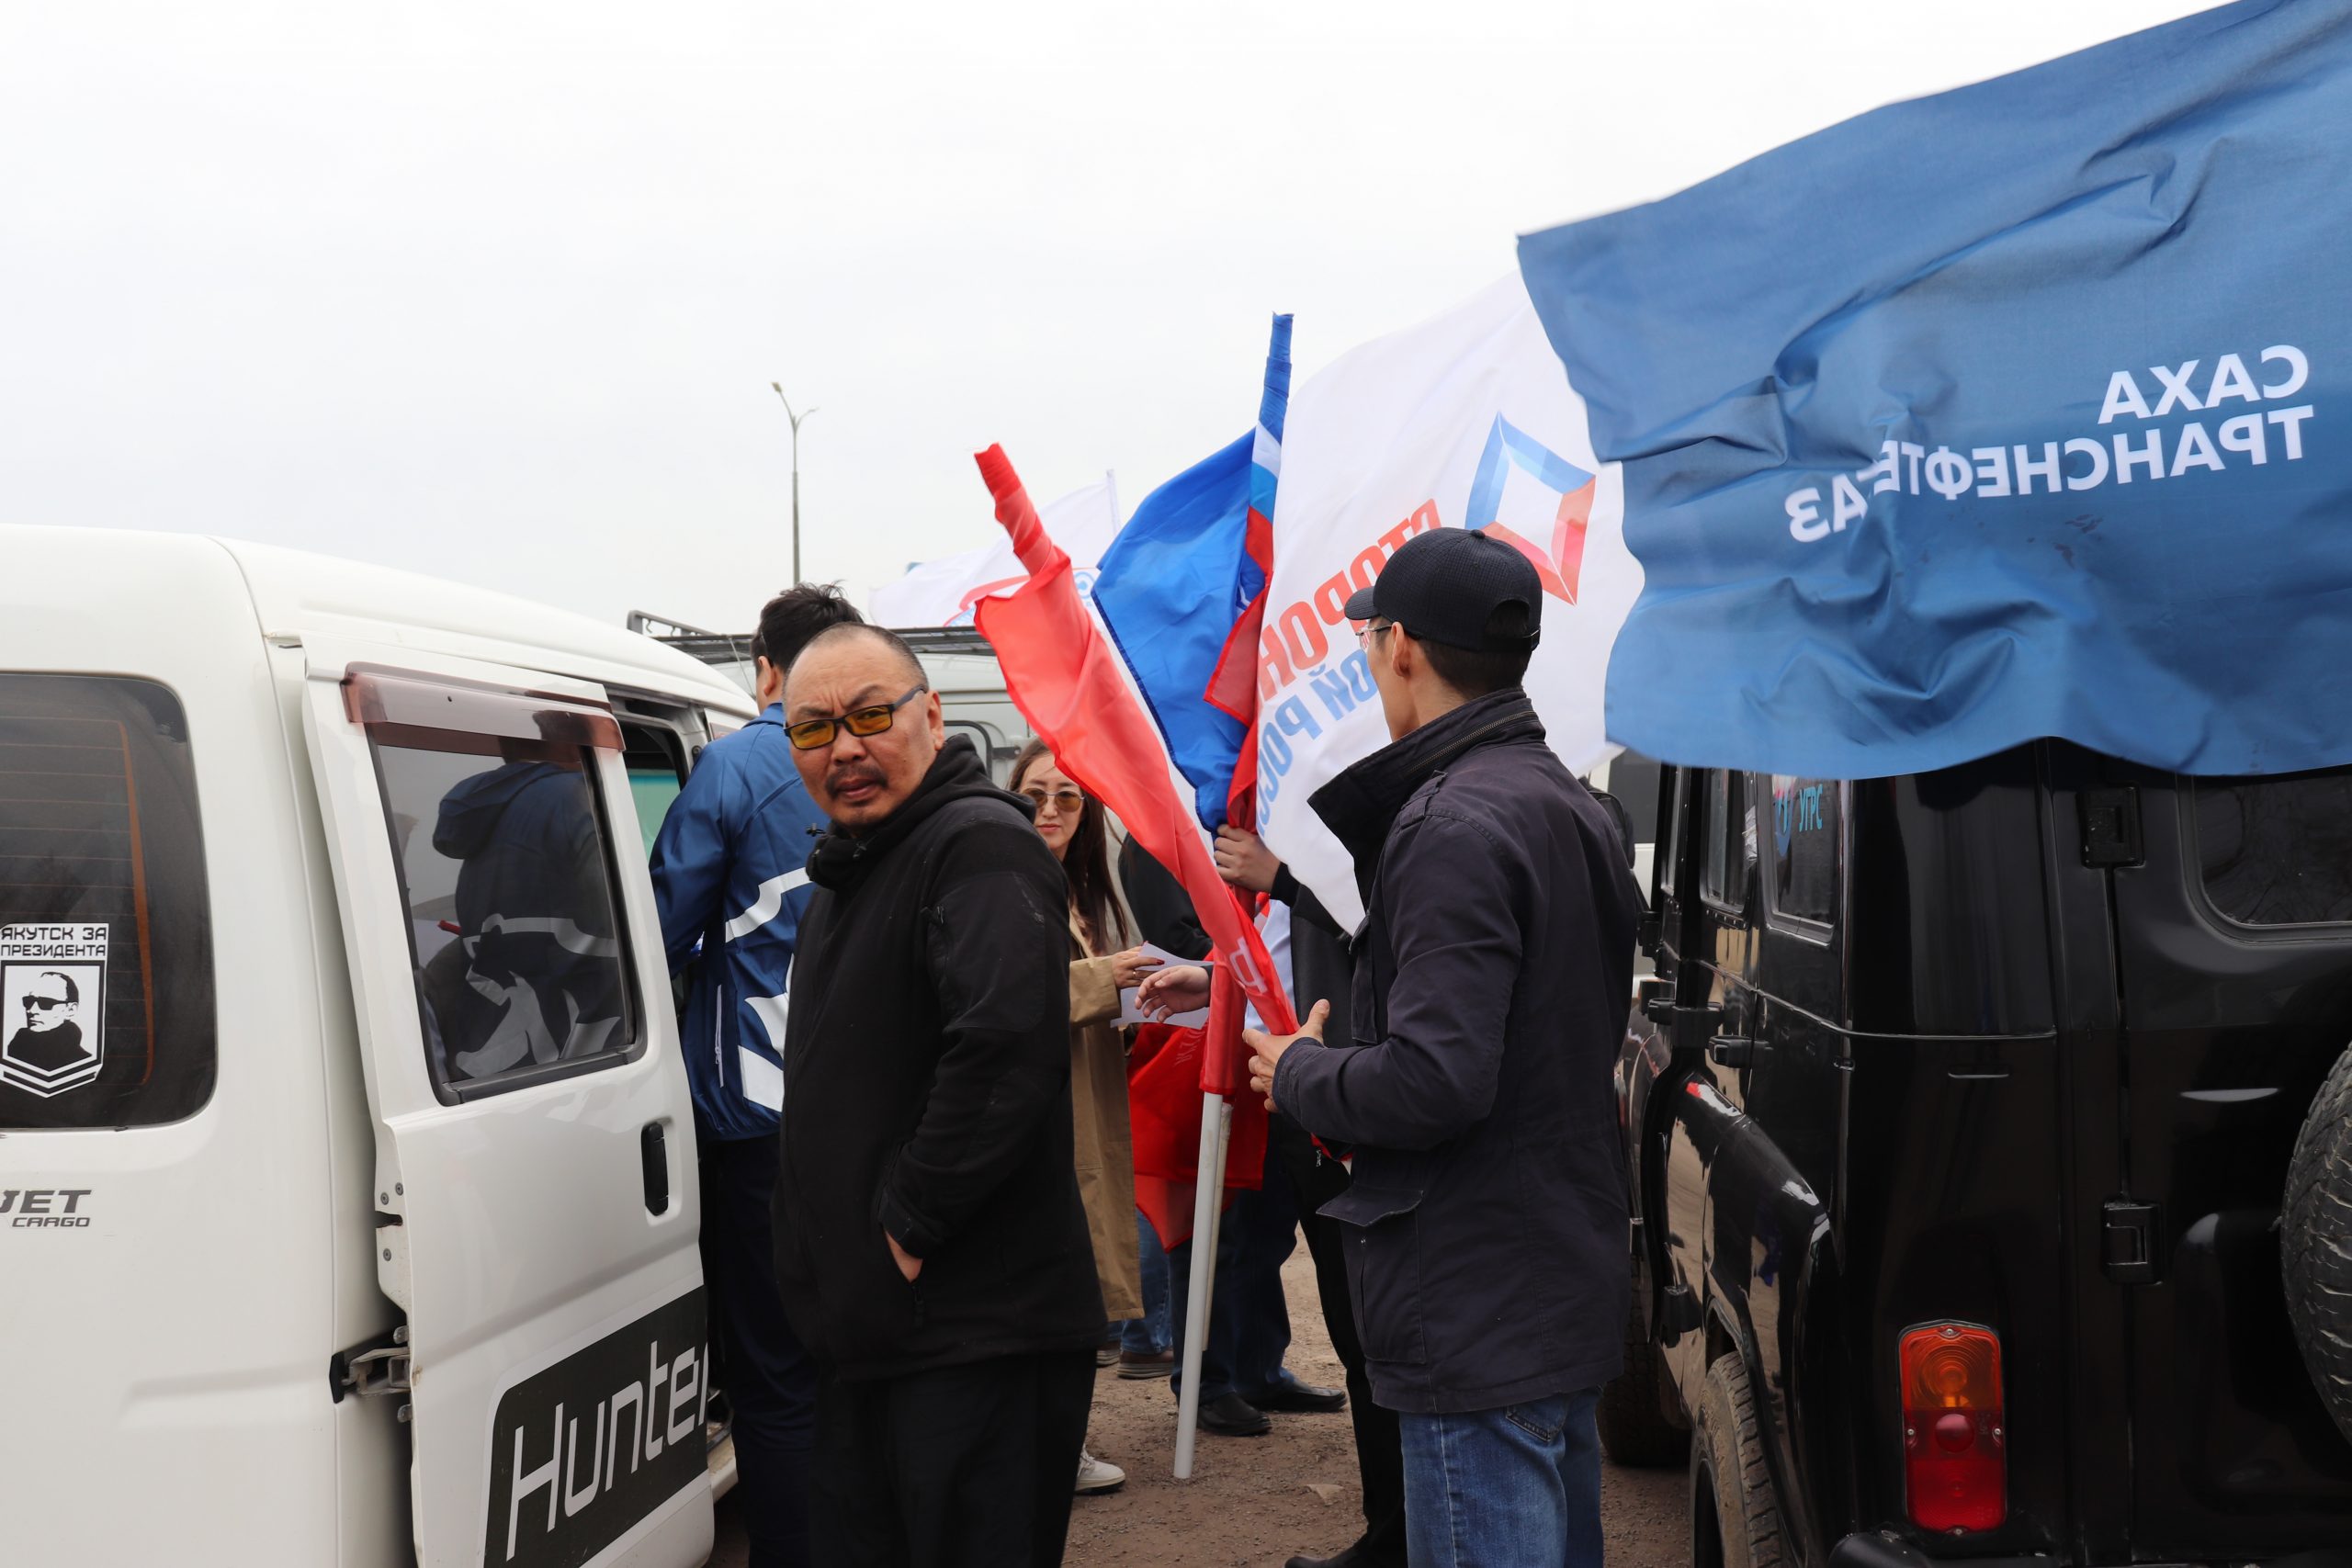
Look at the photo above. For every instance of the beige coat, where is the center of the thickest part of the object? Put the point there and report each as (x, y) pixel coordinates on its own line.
(1106, 1152)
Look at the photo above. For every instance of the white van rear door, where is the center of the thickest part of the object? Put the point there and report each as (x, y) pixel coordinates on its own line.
(533, 1132)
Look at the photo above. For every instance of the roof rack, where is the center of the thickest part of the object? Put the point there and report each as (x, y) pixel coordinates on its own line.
(946, 639)
(735, 648)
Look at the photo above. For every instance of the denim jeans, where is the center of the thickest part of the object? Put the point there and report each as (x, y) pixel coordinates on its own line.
(1151, 1333)
(1504, 1488)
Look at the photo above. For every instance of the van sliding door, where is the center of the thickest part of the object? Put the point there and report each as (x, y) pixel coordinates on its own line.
(535, 1208)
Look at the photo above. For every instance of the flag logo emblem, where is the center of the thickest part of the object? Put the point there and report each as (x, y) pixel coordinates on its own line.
(1511, 450)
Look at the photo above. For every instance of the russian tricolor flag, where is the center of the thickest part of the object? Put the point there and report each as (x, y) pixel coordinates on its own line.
(1182, 590)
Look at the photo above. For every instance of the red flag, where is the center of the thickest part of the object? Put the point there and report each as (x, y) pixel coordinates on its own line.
(1164, 1095)
(1068, 683)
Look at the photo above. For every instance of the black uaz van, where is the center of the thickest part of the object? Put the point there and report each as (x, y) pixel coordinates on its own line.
(1960, 1115)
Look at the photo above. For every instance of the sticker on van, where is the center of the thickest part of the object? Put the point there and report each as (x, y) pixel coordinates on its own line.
(584, 1450)
(52, 1006)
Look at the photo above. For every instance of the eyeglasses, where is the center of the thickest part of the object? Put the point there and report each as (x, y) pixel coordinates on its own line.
(1364, 633)
(46, 1004)
(811, 733)
(1068, 802)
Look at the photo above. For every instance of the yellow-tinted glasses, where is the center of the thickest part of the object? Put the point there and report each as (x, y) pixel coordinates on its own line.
(811, 733)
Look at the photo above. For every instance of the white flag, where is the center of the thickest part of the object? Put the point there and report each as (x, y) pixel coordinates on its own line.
(942, 592)
(1465, 421)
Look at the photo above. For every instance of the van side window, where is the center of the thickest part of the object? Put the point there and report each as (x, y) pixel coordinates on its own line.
(505, 865)
(2277, 850)
(651, 756)
(1633, 780)
(1805, 843)
(106, 1010)
(1731, 840)
(1671, 869)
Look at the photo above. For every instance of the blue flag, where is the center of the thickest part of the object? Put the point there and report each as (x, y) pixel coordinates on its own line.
(1183, 589)
(2016, 411)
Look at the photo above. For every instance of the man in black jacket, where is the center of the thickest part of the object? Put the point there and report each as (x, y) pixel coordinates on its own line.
(931, 1248)
(1487, 1212)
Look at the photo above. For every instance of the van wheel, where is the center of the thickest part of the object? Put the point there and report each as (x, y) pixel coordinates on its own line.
(2315, 1241)
(1639, 1412)
(1734, 1517)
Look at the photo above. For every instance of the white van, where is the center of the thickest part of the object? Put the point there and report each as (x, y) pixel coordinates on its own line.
(347, 1197)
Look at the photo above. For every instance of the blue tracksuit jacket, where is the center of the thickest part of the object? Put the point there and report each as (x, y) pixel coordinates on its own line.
(729, 876)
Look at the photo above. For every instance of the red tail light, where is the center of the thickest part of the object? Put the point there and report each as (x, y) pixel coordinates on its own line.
(1955, 1447)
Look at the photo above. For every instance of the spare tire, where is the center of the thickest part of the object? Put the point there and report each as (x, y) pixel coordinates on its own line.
(2315, 1241)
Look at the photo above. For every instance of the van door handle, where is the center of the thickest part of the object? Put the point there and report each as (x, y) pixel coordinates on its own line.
(655, 1154)
(1733, 1051)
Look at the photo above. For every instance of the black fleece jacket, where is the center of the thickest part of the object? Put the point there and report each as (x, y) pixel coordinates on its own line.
(926, 1068)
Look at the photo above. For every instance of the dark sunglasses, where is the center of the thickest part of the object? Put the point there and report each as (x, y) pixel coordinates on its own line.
(46, 1004)
(811, 733)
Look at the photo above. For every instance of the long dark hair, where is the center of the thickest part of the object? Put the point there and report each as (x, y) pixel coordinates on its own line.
(1086, 862)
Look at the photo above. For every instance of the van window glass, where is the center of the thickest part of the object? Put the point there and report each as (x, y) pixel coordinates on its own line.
(507, 868)
(1731, 840)
(650, 757)
(1712, 876)
(106, 1012)
(1671, 865)
(1633, 779)
(2277, 850)
(654, 790)
(1805, 837)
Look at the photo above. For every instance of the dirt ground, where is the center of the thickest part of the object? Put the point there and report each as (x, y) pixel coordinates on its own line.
(1253, 1502)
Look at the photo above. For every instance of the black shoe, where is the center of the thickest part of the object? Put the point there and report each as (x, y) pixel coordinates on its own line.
(1291, 1398)
(1358, 1553)
(1231, 1415)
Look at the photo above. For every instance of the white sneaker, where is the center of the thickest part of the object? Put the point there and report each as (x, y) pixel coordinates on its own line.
(1094, 1476)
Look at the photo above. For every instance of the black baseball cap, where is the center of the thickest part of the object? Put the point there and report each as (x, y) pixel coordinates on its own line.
(1446, 586)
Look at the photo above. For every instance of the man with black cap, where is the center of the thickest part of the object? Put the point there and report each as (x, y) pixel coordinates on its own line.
(1485, 1220)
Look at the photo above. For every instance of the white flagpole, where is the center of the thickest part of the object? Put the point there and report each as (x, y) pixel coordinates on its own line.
(1208, 1216)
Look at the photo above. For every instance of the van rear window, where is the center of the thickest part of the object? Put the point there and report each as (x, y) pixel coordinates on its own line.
(2277, 850)
(107, 1015)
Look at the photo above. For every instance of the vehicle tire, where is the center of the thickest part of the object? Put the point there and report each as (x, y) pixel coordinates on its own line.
(1734, 1515)
(1635, 1413)
(2315, 1241)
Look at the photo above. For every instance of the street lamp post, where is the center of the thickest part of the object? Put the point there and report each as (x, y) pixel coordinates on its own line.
(796, 419)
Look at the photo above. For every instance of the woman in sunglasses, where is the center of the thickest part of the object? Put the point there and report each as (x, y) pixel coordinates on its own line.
(1102, 963)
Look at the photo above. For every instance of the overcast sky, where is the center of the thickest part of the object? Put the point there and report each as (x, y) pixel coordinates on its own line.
(495, 290)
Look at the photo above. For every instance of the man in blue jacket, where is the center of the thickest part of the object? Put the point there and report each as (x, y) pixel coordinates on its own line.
(1486, 1217)
(729, 875)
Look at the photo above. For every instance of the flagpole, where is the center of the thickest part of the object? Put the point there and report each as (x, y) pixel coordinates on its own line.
(1219, 1051)
(1208, 1213)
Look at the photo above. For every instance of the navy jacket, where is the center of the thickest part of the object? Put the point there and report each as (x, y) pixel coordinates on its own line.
(1486, 1251)
(730, 877)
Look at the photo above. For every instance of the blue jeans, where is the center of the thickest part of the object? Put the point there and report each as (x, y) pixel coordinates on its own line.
(1504, 1488)
(1151, 1333)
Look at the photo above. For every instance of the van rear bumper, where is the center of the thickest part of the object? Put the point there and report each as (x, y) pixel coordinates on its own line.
(1877, 1548)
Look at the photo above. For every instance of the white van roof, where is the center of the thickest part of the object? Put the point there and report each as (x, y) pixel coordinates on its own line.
(296, 593)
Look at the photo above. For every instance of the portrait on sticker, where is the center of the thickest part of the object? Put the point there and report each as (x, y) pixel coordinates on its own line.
(52, 1007)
